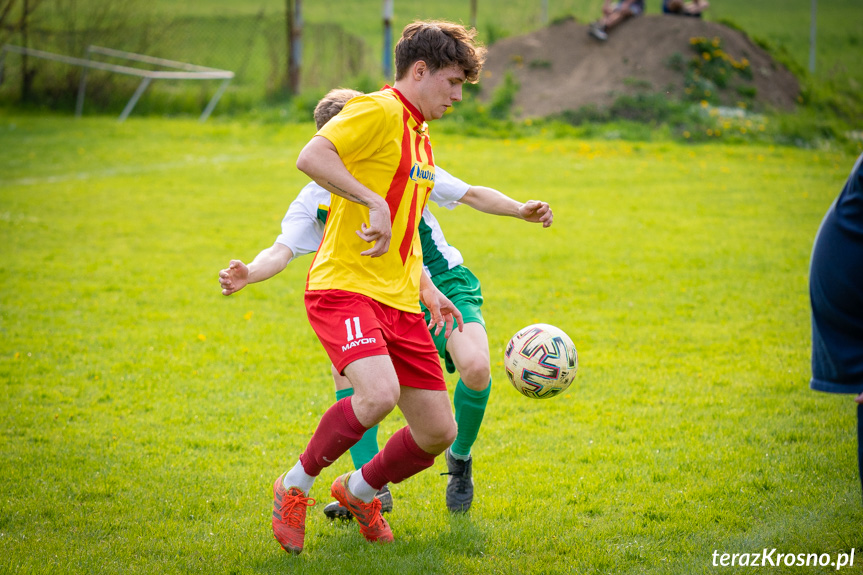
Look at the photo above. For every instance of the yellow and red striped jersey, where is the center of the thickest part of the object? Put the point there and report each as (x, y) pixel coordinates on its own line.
(383, 141)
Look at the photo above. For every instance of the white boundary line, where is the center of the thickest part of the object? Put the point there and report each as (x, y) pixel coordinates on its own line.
(127, 170)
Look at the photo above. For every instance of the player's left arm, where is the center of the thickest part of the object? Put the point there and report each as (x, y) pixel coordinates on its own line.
(444, 313)
(491, 201)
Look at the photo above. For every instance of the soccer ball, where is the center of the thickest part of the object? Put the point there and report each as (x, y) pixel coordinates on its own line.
(540, 361)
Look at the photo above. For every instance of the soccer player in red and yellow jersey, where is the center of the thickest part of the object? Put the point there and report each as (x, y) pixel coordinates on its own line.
(376, 159)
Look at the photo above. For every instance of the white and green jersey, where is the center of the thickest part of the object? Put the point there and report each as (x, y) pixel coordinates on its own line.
(303, 224)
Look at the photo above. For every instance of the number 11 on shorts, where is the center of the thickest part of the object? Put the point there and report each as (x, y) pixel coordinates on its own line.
(351, 335)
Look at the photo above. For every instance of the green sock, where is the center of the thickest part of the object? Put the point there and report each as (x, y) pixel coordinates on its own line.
(469, 411)
(367, 447)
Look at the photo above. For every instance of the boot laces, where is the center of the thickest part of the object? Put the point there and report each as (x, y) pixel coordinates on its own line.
(293, 510)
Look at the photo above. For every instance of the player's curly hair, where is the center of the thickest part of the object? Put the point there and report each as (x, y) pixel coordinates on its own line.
(332, 104)
(440, 44)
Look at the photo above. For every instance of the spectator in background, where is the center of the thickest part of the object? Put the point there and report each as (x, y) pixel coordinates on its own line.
(613, 13)
(836, 295)
(685, 8)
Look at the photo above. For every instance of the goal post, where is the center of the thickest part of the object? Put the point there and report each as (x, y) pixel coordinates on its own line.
(177, 71)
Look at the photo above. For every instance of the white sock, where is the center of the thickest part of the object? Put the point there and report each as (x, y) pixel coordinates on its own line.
(358, 486)
(297, 477)
(459, 456)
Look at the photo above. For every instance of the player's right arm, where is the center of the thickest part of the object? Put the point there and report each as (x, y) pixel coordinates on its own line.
(320, 160)
(265, 265)
(302, 231)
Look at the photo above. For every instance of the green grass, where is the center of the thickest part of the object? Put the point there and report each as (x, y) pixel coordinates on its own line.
(144, 416)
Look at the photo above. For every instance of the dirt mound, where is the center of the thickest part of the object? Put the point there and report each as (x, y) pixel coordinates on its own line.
(563, 68)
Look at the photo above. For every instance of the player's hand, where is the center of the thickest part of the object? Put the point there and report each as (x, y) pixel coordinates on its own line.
(234, 278)
(444, 314)
(859, 398)
(536, 212)
(379, 231)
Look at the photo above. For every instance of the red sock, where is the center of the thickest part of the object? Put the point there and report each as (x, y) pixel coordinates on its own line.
(400, 459)
(338, 430)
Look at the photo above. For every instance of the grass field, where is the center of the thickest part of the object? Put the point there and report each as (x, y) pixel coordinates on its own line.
(144, 416)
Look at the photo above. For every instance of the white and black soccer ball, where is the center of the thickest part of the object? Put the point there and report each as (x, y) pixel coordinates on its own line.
(540, 361)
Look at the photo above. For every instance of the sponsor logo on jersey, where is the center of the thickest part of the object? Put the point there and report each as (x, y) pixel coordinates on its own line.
(420, 174)
(357, 342)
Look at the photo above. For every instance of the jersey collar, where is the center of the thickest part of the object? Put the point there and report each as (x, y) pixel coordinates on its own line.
(417, 116)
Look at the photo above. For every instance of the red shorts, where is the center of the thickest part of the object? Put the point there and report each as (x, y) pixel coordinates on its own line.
(352, 326)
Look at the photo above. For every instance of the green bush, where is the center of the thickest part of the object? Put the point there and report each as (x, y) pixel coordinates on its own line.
(711, 70)
(503, 98)
(493, 33)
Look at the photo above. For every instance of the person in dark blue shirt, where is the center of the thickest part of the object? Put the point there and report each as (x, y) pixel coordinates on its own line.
(836, 296)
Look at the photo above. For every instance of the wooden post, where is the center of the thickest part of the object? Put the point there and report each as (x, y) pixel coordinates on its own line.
(473, 13)
(294, 33)
(812, 34)
(26, 73)
(388, 39)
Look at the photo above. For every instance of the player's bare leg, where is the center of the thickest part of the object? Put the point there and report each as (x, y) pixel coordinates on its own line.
(430, 418)
(376, 388)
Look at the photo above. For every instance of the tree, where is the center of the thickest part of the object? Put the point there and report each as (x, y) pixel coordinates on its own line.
(294, 33)
(388, 38)
(26, 8)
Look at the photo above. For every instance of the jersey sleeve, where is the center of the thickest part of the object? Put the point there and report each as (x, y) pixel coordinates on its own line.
(302, 229)
(350, 129)
(448, 189)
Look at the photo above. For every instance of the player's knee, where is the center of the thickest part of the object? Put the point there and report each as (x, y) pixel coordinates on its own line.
(374, 407)
(437, 440)
(451, 435)
(386, 400)
(448, 435)
(476, 374)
